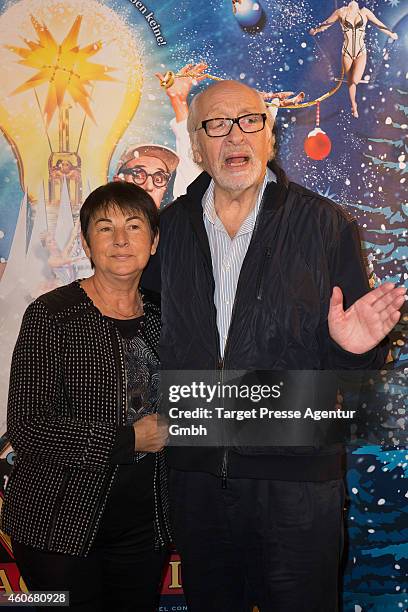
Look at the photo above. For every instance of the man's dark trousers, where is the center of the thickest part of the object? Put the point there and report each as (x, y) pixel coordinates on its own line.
(274, 544)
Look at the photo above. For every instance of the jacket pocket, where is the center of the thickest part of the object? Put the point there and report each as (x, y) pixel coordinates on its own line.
(260, 280)
(58, 503)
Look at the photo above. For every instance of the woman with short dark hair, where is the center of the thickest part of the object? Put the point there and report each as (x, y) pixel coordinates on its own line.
(86, 502)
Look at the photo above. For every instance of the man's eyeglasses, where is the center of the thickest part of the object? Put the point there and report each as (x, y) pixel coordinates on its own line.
(139, 176)
(221, 126)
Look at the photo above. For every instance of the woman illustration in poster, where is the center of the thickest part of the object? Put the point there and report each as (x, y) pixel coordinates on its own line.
(353, 21)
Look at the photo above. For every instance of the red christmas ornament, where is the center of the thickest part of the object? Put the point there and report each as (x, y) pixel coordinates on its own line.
(317, 144)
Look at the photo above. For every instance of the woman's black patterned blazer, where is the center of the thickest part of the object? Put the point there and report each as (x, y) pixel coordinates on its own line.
(66, 419)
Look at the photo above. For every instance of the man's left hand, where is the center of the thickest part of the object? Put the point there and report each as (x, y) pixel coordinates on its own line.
(362, 326)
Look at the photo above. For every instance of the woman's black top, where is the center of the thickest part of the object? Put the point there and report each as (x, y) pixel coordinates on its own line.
(129, 510)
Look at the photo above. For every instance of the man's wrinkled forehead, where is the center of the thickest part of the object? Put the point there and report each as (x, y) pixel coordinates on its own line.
(228, 96)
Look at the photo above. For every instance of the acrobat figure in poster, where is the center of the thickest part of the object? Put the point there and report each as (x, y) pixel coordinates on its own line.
(353, 21)
(61, 262)
(177, 92)
(150, 166)
(187, 169)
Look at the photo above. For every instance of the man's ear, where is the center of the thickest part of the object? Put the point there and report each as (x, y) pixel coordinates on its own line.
(195, 149)
(272, 150)
(196, 154)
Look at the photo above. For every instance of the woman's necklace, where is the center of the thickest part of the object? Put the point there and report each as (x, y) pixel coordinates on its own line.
(139, 311)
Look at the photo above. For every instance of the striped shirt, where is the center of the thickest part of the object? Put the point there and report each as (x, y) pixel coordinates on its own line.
(227, 254)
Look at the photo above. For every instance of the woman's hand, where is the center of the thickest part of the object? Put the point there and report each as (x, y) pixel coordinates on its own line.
(151, 434)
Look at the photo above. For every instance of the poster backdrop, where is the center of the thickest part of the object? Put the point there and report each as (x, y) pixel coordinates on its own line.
(80, 100)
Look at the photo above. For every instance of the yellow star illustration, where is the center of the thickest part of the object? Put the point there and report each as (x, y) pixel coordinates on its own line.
(65, 67)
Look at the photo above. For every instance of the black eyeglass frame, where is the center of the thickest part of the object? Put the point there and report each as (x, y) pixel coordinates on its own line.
(133, 171)
(236, 120)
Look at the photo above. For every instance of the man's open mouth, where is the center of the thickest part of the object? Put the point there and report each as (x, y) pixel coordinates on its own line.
(236, 161)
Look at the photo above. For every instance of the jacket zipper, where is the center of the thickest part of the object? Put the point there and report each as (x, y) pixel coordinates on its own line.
(224, 465)
(220, 367)
(259, 289)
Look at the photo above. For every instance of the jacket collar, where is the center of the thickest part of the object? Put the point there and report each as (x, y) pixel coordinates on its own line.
(273, 199)
(276, 193)
(71, 301)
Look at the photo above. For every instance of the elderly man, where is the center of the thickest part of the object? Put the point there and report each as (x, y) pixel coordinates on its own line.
(259, 273)
(177, 93)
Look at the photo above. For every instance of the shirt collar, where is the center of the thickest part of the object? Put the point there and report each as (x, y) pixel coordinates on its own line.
(209, 207)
